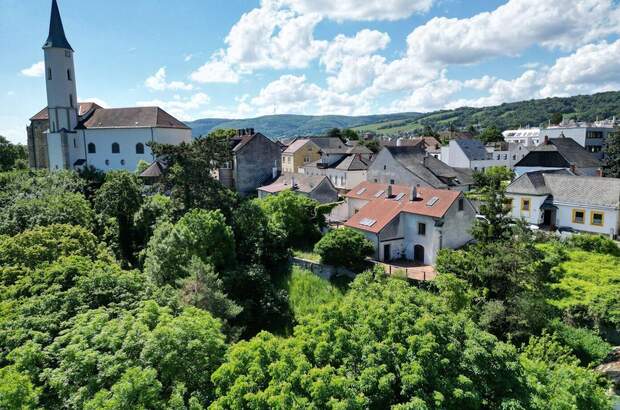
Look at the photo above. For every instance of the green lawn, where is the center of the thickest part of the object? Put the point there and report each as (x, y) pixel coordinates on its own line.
(308, 292)
(307, 255)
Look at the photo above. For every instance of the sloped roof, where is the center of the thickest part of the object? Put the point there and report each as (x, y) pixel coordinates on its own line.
(155, 170)
(352, 163)
(56, 37)
(474, 150)
(133, 117)
(589, 191)
(559, 153)
(328, 142)
(382, 210)
(533, 183)
(83, 108)
(296, 145)
(302, 183)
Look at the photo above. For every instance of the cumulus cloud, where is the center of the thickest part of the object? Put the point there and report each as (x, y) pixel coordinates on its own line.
(512, 28)
(157, 82)
(182, 108)
(364, 43)
(361, 9)
(98, 101)
(215, 71)
(35, 70)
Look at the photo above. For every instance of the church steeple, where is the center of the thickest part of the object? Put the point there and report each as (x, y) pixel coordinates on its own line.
(56, 38)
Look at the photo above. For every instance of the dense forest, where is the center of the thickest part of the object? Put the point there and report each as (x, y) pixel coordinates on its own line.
(178, 294)
(505, 116)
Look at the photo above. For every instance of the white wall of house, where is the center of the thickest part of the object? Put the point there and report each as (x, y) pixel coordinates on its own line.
(386, 170)
(430, 241)
(54, 147)
(456, 230)
(610, 219)
(534, 216)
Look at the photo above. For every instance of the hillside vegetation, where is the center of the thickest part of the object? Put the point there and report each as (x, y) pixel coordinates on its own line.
(509, 115)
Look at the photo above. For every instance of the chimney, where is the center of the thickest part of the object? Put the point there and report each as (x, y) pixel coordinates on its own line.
(413, 194)
(546, 140)
(573, 169)
(599, 172)
(388, 193)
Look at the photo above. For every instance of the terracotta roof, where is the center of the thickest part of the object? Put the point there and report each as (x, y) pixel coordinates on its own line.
(133, 117)
(429, 202)
(84, 108)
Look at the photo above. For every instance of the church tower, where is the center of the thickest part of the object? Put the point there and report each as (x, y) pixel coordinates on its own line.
(62, 102)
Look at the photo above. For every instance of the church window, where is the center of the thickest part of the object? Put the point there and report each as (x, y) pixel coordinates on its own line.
(107, 162)
(116, 148)
(49, 73)
(71, 100)
(122, 162)
(139, 148)
(74, 143)
(92, 148)
(69, 75)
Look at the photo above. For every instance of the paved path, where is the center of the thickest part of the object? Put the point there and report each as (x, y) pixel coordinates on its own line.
(412, 271)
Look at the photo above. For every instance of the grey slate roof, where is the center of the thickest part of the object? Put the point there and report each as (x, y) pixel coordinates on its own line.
(56, 37)
(533, 183)
(594, 191)
(435, 172)
(474, 150)
(353, 163)
(155, 170)
(133, 117)
(559, 153)
(303, 183)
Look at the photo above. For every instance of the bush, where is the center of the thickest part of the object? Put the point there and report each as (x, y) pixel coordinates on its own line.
(344, 247)
(595, 243)
(586, 345)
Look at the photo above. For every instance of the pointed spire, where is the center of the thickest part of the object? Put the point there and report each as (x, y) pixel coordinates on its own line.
(56, 38)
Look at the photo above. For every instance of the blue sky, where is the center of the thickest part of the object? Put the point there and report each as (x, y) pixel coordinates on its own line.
(213, 58)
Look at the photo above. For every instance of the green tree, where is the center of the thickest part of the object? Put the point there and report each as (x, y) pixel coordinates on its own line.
(344, 247)
(611, 160)
(494, 207)
(556, 118)
(137, 389)
(491, 134)
(350, 135)
(11, 154)
(372, 145)
(154, 210)
(199, 233)
(120, 198)
(334, 133)
(428, 131)
(295, 215)
(16, 390)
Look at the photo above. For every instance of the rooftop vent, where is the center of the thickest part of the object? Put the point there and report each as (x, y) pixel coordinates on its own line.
(361, 191)
(378, 194)
(399, 196)
(368, 222)
(432, 201)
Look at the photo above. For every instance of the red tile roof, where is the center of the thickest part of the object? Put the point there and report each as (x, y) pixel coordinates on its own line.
(382, 210)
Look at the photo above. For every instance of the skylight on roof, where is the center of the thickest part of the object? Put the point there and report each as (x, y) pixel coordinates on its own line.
(368, 222)
(361, 191)
(378, 194)
(399, 196)
(432, 201)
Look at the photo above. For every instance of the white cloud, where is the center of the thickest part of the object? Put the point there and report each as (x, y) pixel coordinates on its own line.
(356, 72)
(513, 27)
(364, 43)
(96, 100)
(182, 108)
(157, 82)
(215, 71)
(188, 57)
(35, 70)
(361, 9)
(430, 97)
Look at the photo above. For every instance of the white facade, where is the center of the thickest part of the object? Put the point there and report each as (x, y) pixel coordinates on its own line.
(528, 137)
(591, 136)
(454, 156)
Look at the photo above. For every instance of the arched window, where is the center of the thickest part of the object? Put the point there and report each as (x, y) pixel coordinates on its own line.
(139, 148)
(92, 148)
(69, 75)
(116, 148)
(122, 162)
(107, 162)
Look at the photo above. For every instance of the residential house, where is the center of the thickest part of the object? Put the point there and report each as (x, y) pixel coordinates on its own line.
(528, 137)
(318, 188)
(590, 136)
(412, 166)
(473, 154)
(255, 160)
(560, 199)
(559, 153)
(298, 153)
(407, 222)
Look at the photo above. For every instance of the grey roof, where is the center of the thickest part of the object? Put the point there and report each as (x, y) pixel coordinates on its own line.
(533, 183)
(56, 37)
(241, 142)
(595, 191)
(329, 142)
(133, 117)
(474, 150)
(559, 153)
(428, 168)
(353, 163)
(302, 183)
(155, 170)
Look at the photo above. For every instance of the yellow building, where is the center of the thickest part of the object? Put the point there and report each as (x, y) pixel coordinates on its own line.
(301, 152)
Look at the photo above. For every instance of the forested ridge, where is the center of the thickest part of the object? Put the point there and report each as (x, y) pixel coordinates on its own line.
(179, 295)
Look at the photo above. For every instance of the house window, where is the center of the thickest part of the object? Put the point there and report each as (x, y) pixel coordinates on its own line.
(122, 162)
(306, 159)
(139, 148)
(71, 100)
(579, 216)
(525, 204)
(461, 204)
(116, 148)
(92, 149)
(49, 73)
(391, 181)
(421, 229)
(74, 143)
(384, 167)
(107, 162)
(596, 218)
(69, 75)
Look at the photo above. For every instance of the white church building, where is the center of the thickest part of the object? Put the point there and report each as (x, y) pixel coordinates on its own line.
(68, 134)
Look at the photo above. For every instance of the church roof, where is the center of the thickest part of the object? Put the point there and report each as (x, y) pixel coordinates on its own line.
(133, 117)
(56, 38)
(84, 108)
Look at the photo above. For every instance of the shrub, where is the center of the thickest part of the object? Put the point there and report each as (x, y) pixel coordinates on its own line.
(344, 247)
(595, 243)
(586, 345)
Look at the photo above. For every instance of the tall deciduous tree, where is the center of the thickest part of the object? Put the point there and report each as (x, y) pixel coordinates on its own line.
(494, 207)
(491, 134)
(344, 247)
(611, 160)
(12, 156)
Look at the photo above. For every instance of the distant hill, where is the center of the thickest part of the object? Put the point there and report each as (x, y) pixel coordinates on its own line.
(509, 115)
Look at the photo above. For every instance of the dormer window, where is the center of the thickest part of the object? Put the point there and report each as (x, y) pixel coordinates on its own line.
(69, 75)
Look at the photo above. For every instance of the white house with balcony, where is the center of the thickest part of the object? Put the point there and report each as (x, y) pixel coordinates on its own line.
(473, 154)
